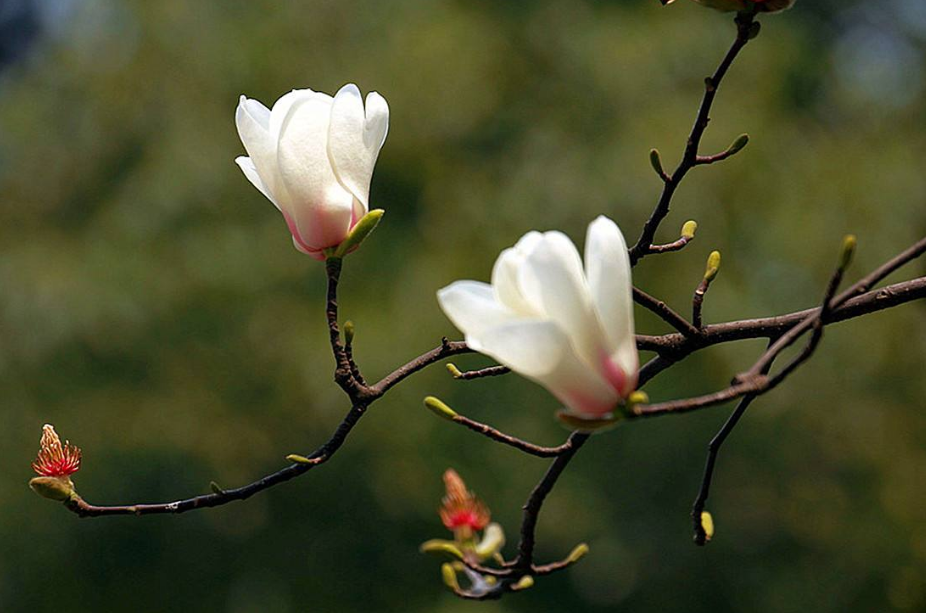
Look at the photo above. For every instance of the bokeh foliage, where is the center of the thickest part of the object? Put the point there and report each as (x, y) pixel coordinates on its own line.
(153, 308)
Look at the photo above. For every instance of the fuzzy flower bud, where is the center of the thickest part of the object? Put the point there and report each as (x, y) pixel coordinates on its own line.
(461, 511)
(55, 464)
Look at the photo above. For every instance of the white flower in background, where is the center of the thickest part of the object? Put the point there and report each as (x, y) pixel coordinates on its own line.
(543, 316)
(313, 155)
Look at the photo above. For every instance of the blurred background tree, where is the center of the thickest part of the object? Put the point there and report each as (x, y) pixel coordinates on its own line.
(153, 308)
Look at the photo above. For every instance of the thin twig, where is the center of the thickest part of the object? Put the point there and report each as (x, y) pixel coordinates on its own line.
(700, 536)
(643, 246)
(754, 381)
(665, 312)
(512, 441)
(525, 559)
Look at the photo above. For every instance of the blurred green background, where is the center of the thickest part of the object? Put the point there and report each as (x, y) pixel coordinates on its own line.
(153, 308)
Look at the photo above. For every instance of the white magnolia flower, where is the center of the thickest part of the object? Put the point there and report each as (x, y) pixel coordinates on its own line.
(543, 316)
(313, 155)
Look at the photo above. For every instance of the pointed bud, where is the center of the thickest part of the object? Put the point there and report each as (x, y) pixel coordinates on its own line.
(707, 524)
(348, 333)
(53, 488)
(455, 372)
(849, 243)
(738, 144)
(360, 232)
(525, 582)
(300, 459)
(656, 161)
(713, 266)
(689, 229)
(577, 554)
(216, 489)
(437, 406)
(449, 575)
(441, 546)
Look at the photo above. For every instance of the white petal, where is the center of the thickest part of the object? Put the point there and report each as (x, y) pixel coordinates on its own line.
(552, 279)
(253, 122)
(541, 351)
(355, 138)
(472, 307)
(247, 167)
(285, 103)
(608, 270)
(505, 275)
(321, 208)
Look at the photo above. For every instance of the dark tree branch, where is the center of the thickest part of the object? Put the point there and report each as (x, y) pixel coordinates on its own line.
(482, 373)
(665, 312)
(525, 559)
(700, 536)
(512, 441)
(768, 327)
(745, 31)
(318, 457)
(754, 381)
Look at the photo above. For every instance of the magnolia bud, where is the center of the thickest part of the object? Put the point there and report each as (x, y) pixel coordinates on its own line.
(53, 488)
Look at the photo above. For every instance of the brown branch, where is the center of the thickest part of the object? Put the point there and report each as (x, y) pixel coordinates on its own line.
(745, 31)
(676, 344)
(346, 373)
(482, 373)
(319, 456)
(754, 381)
(512, 441)
(672, 247)
(713, 449)
(665, 312)
(525, 559)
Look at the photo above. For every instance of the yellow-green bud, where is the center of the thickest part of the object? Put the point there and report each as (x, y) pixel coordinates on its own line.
(441, 546)
(689, 229)
(849, 243)
(577, 554)
(455, 372)
(449, 576)
(437, 406)
(524, 583)
(299, 459)
(348, 332)
(53, 488)
(364, 227)
(707, 524)
(738, 144)
(713, 266)
(656, 161)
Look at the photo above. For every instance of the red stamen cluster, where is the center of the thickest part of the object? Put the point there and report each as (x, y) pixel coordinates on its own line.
(461, 508)
(55, 459)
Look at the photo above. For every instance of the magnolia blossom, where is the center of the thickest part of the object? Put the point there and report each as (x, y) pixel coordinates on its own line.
(313, 156)
(567, 328)
(763, 6)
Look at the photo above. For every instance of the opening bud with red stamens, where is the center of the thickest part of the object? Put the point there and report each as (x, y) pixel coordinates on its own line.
(461, 511)
(55, 464)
